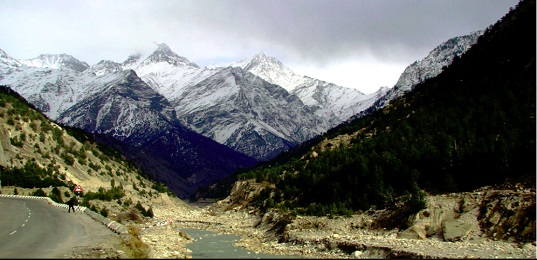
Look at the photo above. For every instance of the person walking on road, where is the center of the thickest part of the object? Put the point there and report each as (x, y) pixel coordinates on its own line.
(71, 204)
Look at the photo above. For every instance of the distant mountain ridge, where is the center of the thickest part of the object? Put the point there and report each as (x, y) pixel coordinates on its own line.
(257, 107)
(106, 101)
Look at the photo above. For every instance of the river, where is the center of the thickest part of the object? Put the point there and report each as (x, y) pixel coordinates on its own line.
(208, 244)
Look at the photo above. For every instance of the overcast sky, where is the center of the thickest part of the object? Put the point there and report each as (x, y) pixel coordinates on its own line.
(362, 44)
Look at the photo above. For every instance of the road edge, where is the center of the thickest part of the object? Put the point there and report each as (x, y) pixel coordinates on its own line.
(110, 224)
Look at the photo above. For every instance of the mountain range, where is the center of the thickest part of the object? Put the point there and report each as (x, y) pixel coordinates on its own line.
(189, 125)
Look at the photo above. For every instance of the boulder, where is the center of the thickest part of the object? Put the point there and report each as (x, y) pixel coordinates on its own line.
(357, 254)
(414, 232)
(456, 230)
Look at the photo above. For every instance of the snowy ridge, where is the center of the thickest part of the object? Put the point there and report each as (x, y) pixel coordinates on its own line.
(248, 114)
(56, 61)
(105, 67)
(333, 103)
(271, 70)
(7, 61)
(257, 106)
(200, 95)
(430, 66)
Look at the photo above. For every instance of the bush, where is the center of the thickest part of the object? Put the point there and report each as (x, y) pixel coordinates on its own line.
(56, 195)
(39, 193)
(143, 211)
(104, 212)
(131, 215)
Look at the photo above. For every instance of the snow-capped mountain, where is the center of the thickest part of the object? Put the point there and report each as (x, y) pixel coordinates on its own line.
(105, 67)
(166, 72)
(56, 61)
(430, 66)
(7, 61)
(158, 105)
(271, 70)
(247, 113)
(331, 102)
(105, 101)
(229, 105)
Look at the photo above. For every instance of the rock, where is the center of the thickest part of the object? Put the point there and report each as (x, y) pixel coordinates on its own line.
(414, 232)
(456, 230)
(357, 254)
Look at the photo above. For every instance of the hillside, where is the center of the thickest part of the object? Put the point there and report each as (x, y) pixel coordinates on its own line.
(473, 125)
(39, 155)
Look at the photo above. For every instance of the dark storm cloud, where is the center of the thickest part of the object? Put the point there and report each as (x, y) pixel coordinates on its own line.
(355, 43)
(321, 30)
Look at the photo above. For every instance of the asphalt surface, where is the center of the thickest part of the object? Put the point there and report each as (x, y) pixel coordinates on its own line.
(34, 229)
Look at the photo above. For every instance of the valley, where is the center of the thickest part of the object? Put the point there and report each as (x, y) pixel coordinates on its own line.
(441, 165)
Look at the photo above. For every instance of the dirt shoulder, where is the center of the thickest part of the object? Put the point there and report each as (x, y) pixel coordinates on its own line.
(99, 242)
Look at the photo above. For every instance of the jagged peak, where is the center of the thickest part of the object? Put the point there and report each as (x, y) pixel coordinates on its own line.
(105, 67)
(163, 47)
(56, 61)
(261, 58)
(3, 53)
(165, 54)
(7, 60)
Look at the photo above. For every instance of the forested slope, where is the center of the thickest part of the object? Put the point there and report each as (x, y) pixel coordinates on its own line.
(472, 125)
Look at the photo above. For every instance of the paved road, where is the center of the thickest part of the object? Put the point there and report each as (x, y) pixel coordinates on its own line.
(32, 228)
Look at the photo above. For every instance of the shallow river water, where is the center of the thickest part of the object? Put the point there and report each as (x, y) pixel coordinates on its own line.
(208, 244)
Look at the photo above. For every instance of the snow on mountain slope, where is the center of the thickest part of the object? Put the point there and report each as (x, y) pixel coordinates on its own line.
(199, 94)
(145, 122)
(166, 72)
(333, 103)
(56, 61)
(7, 61)
(247, 113)
(105, 67)
(430, 66)
(53, 91)
(271, 70)
(105, 99)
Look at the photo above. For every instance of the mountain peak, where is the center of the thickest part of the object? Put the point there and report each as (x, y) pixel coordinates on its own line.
(56, 61)
(165, 54)
(261, 55)
(163, 47)
(263, 60)
(7, 60)
(105, 67)
(271, 70)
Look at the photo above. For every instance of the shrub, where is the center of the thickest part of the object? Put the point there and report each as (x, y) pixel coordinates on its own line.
(39, 193)
(104, 212)
(131, 215)
(56, 195)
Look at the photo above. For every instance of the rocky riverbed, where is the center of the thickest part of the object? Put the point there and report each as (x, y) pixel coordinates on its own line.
(448, 228)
